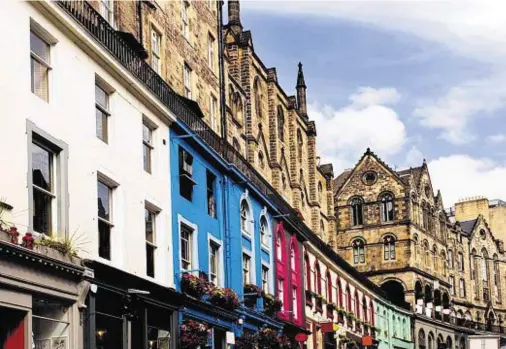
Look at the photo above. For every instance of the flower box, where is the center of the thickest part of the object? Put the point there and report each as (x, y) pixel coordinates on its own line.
(271, 304)
(225, 298)
(251, 294)
(194, 286)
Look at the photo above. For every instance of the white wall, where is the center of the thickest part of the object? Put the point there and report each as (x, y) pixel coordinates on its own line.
(70, 117)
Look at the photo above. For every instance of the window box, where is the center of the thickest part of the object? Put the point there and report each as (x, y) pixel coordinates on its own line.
(271, 304)
(251, 294)
(225, 298)
(194, 286)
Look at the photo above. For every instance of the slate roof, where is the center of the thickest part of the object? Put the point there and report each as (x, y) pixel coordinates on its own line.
(467, 226)
(415, 172)
(339, 180)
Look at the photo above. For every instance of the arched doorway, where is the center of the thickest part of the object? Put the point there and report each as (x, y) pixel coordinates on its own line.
(394, 291)
(428, 298)
(437, 305)
(418, 290)
(446, 307)
(490, 320)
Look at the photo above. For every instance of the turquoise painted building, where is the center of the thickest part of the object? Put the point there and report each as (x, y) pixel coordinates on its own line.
(394, 326)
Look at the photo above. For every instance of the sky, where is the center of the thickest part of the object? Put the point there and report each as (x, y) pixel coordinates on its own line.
(410, 79)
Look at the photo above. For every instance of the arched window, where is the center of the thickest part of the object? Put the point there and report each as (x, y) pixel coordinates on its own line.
(292, 256)
(434, 256)
(339, 299)
(425, 221)
(387, 207)
(308, 272)
(485, 275)
(322, 229)
(300, 144)
(357, 214)
(449, 343)
(450, 259)
(358, 246)
(426, 253)
(279, 246)
(389, 248)
(497, 278)
(320, 192)
(442, 224)
(245, 217)
(281, 124)
(431, 341)
(329, 287)
(443, 261)
(261, 160)
(348, 299)
(258, 98)
(237, 108)
(318, 279)
(365, 313)
(421, 339)
(462, 343)
(264, 231)
(371, 309)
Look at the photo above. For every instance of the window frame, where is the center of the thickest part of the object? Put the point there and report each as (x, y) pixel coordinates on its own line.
(358, 251)
(106, 10)
(185, 7)
(187, 81)
(105, 110)
(246, 268)
(387, 213)
(190, 230)
(214, 247)
(46, 64)
(211, 41)
(185, 174)
(60, 172)
(357, 211)
(111, 186)
(265, 281)
(153, 211)
(389, 253)
(213, 112)
(156, 50)
(148, 144)
(245, 217)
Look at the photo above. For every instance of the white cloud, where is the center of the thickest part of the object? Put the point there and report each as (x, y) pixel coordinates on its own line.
(460, 176)
(453, 112)
(414, 157)
(497, 138)
(344, 134)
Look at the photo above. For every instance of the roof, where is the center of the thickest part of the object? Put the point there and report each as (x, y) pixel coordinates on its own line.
(467, 226)
(415, 172)
(339, 180)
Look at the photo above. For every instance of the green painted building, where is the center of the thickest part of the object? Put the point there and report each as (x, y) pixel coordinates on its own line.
(394, 326)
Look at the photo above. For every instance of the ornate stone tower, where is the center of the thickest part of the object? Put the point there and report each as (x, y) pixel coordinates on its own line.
(301, 93)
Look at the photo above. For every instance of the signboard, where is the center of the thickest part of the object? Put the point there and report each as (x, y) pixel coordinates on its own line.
(230, 336)
(301, 337)
(367, 341)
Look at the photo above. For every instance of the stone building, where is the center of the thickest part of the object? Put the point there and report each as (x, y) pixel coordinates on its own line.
(392, 226)
(272, 129)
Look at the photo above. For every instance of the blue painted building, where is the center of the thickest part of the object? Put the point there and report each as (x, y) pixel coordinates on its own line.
(222, 233)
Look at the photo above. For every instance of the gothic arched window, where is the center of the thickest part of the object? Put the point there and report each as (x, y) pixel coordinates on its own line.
(258, 98)
(357, 212)
(387, 207)
(358, 246)
(300, 143)
(318, 279)
(264, 231)
(281, 124)
(389, 247)
(245, 216)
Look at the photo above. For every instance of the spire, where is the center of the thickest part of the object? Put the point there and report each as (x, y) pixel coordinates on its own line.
(300, 77)
(234, 15)
(301, 92)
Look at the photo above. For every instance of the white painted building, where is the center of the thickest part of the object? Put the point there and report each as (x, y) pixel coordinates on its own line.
(52, 124)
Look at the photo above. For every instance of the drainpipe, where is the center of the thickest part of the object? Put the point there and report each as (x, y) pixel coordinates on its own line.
(226, 233)
(221, 64)
(139, 18)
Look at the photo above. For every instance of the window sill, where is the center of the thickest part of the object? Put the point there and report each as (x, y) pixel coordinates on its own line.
(265, 247)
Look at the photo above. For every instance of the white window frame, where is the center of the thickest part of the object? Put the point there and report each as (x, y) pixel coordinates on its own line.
(112, 185)
(295, 302)
(50, 40)
(221, 272)
(249, 279)
(194, 260)
(106, 9)
(105, 109)
(187, 80)
(211, 51)
(148, 143)
(156, 50)
(247, 218)
(154, 210)
(185, 7)
(265, 267)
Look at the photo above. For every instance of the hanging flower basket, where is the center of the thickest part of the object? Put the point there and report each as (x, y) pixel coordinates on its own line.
(271, 304)
(251, 294)
(194, 334)
(267, 338)
(248, 340)
(194, 286)
(225, 298)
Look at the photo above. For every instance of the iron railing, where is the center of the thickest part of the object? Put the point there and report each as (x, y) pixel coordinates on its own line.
(102, 31)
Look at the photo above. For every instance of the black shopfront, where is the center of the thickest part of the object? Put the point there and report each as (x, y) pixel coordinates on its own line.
(127, 312)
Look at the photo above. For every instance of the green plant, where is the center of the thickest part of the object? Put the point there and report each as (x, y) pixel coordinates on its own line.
(194, 334)
(65, 246)
(271, 304)
(225, 298)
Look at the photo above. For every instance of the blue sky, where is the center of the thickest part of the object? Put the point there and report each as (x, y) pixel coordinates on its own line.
(410, 79)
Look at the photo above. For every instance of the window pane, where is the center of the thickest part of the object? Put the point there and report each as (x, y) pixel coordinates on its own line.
(42, 212)
(146, 158)
(42, 162)
(39, 79)
(150, 225)
(39, 47)
(101, 97)
(104, 204)
(102, 129)
(150, 260)
(104, 240)
(146, 134)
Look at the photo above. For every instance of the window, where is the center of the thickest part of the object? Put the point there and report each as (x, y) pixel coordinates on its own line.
(156, 51)
(358, 251)
(320, 192)
(213, 103)
(149, 222)
(104, 219)
(462, 288)
(279, 248)
(389, 247)
(295, 303)
(40, 66)
(265, 279)
(307, 278)
(264, 231)
(106, 9)
(102, 113)
(460, 261)
(258, 98)
(421, 339)
(214, 263)
(322, 229)
(452, 285)
(43, 186)
(210, 51)
(387, 207)
(450, 259)
(357, 215)
(369, 177)
(329, 287)
(246, 266)
(147, 145)
(185, 8)
(245, 217)
(318, 279)
(281, 124)
(211, 197)
(186, 235)
(50, 319)
(292, 256)
(281, 293)
(186, 182)
(187, 81)
(299, 145)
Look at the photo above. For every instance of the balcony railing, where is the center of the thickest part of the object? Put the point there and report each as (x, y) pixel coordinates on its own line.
(100, 29)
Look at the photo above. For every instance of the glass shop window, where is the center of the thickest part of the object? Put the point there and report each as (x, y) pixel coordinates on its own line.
(158, 328)
(109, 320)
(50, 324)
